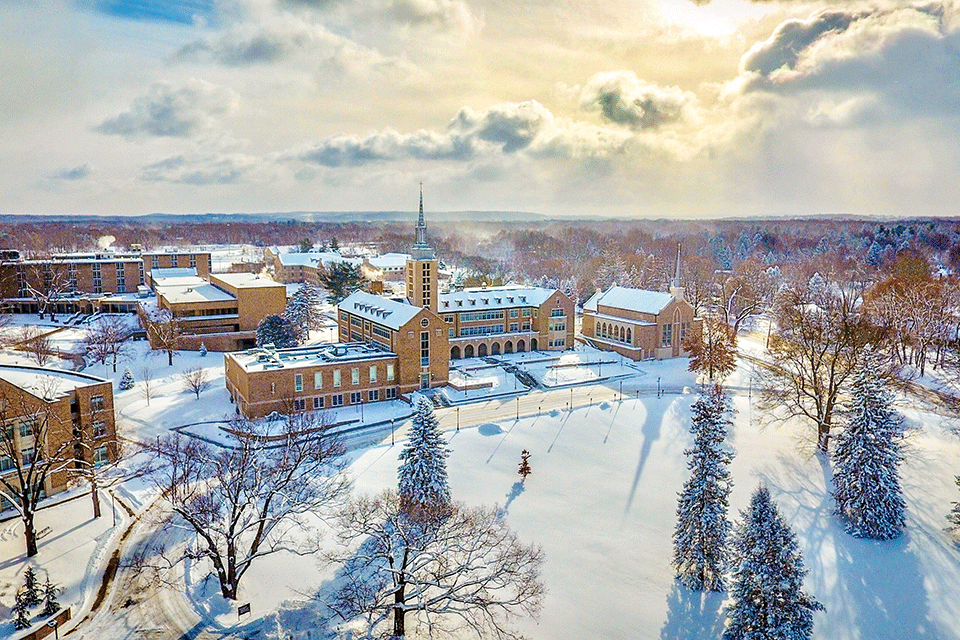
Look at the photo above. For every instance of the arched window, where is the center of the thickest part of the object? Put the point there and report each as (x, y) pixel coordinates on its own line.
(629, 339)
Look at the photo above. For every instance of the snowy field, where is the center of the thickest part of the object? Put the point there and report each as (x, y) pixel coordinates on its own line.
(600, 501)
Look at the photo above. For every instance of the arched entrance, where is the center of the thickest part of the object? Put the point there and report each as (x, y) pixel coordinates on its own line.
(508, 347)
(533, 344)
(455, 353)
(521, 346)
(482, 350)
(495, 349)
(468, 351)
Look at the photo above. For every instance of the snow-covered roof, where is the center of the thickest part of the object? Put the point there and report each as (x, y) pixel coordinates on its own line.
(267, 358)
(493, 298)
(199, 291)
(164, 273)
(390, 261)
(383, 311)
(246, 280)
(46, 383)
(315, 258)
(628, 299)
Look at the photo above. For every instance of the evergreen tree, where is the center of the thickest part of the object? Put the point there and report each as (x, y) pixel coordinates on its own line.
(126, 380)
(868, 456)
(203, 350)
(303, 310)
(276, 331)
(700, 536)
(954, 516)
(341, 279)
(31, 588)
(423, 486)
(21, 613)
(524, 469)
(50, 604)
(768, 597)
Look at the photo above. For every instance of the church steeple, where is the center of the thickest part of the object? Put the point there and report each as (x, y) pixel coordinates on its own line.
(421, 271)
(675, 288)
(421, 237)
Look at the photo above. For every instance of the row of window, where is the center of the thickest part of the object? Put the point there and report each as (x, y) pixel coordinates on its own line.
(481, 315)
(336, 377)
(336, 400)
(481, 330)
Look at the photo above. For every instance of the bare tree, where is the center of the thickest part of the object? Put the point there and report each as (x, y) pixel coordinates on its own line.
(743, 293)
(713, 350)
(146, 381)
(242, 503)
(466, 568)
(164, 330)
(820, 330)
(36, 342)
(34, 445)
(97, 458)
(106, 339)
(195, 380)
(46, 282)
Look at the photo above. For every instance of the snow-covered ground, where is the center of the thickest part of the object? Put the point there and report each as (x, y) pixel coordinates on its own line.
(600, 500)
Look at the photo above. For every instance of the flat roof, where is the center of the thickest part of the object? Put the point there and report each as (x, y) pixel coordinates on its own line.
(191, 289)
(246, 280)
(314, 258)
(267, 358)
(47, 384)
(161, 273)
(390, 260)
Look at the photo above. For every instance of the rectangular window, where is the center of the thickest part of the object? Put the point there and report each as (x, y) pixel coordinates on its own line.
(336, 377)
(684, 330)
(26, 428)
(318, 402)
(380, 331)
(424, 348)
(298, 382)
(373, 395)
(318, 380)
(448, 318)
(481, 315)
(557, 313)
(99, 429)
(667, 335)
(96, 403)
(299, 404)
(6, 463)
(514, 313)
(355, 397)
(514, 326)
(336, 400)
(373, 373)
(355, 375)
(526, 313)
(450, 332)
(481, 330)
(28, 455)
(101, 456)
(391, 393)
(526, 326)
(389, 373)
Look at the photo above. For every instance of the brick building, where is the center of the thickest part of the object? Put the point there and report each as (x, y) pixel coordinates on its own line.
(53, 404)
(291, 267)
(221, 311)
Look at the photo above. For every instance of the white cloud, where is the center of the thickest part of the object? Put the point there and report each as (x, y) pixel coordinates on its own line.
(170, 111)
(624, 99)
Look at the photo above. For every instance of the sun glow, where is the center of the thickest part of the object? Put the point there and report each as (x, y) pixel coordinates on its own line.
(718, 19)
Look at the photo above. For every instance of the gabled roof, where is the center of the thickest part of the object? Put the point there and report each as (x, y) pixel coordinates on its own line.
(383, 311)
(314, 259)
(493, 298)
(390, 260)
(628, 299)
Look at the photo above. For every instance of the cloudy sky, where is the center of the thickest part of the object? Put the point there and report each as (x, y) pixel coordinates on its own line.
(641, 108)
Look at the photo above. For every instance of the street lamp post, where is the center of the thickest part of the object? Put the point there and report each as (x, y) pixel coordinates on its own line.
(518, 408)
(458, 419)
(391, 432)
(658, 386)
(621, 391)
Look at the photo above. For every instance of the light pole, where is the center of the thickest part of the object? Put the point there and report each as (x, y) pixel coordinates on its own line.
(113, 500)
(658, 386)
(55, 626)
(621, 391)
(391, 432)
(571, 398)
(518, 408)
(458, 419)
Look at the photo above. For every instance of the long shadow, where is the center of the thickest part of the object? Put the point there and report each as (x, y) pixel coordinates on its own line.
(651, 433)
(515, 492)
(613, 419)
(556, 437)
(693, 615)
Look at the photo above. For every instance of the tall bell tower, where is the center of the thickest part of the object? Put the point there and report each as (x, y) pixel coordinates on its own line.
(422, 267)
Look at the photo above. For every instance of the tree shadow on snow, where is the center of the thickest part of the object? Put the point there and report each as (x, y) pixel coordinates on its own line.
(515, 492)
(693, 615)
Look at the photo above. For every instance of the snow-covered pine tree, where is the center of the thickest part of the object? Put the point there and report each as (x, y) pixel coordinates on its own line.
(50, 603)
(126, 380)
(31, 588)
(954, 516)
(700, 535)
(277, 331)
(768, 597)
(203, 350)
(867, 457)
(423, 485)
(303, 310)
(20, 611)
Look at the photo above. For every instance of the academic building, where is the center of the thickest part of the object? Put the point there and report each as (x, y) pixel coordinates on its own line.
(53, 404)
(390, 347)
(87, 282)
(221, 311)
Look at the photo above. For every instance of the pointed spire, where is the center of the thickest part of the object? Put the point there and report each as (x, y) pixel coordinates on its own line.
(421, 236)
(421, 223)
(676, 277)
